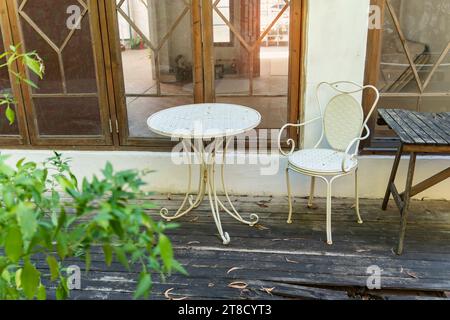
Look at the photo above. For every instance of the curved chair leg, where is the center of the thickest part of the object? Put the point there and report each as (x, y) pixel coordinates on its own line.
(329, 193)
(289, 190)
(360, 221)
(311, 193)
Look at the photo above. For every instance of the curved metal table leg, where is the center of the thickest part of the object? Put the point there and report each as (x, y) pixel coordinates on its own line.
(214, 201)
(233, 212)
(182, 211)
(207, 186)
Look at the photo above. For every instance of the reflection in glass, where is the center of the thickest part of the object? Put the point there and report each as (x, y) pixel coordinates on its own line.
(157, 58)
(254, 69)
(426, 28)
(66, 101)
(141, 108)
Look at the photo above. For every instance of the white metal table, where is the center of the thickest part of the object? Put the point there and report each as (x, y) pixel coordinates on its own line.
(205, 130)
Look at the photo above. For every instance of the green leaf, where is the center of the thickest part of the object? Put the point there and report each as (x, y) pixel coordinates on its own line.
(6, 275)
(3, 264)
(62, 291)
(54, 267)
(61, 246)
(27, 221)
(42, 293)
(30, 83)
(103, 219)
(65, 183)
(30, 279)
(88, 260)
(14, 245)
(10, 115)
(166, 251)
(18, 279)
(34, 65)
(108, 252)
(179, 268)
(9, 197)
(122, 257)
(144, 286)
(6, 170)
(108, 172)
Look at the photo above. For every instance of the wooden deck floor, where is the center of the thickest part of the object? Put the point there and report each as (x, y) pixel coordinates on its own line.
(279, 261)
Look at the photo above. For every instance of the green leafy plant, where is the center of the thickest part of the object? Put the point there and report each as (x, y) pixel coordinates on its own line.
(48, 216)
(9, 59)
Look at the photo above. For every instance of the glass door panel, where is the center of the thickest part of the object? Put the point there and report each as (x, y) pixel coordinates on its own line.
(253, 70)
(69, 105)
(414, 74)
(156, 62)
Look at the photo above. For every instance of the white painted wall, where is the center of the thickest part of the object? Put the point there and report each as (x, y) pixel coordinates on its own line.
(336, 51)
(247, 179)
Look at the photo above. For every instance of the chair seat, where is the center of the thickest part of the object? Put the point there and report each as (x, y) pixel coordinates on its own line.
(322, 161)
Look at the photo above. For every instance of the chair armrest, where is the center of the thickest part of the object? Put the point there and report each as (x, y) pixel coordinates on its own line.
(347, 154)
(291, 142)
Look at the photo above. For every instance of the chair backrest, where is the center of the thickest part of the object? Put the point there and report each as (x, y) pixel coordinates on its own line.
(343, 115)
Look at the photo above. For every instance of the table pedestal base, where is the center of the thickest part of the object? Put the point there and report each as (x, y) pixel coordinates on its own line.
(207, 187)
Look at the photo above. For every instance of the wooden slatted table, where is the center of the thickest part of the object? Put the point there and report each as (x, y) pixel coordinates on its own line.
(419, 133)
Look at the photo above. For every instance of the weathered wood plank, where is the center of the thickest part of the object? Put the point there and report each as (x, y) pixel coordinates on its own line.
(433, 125)
(280, 261)
(389, 118)
(408, 123)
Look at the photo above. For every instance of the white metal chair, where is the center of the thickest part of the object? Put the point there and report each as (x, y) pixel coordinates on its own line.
(343, 125)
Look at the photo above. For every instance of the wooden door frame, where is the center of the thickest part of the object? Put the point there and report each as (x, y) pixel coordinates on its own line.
(297, 66)
(373, 60)
(23, 138)
(71, 140)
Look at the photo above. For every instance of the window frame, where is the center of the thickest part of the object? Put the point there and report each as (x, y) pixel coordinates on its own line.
(382, 144)
(232, 20)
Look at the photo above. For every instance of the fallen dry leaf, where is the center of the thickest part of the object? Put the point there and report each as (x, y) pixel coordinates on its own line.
(260, 227)
(193, 242)
(169, 297)
(263, 204)
(234, 269)
(268, 290)
(169, 196)
(194, 220)
(211, 285)
(412, 274)
(238, 285)
(292, 261)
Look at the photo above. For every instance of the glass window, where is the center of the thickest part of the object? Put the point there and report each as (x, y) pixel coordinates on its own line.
(414, 76)
(222, 34)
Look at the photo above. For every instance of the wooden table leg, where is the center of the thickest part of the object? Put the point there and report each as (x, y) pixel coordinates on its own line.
(393, 176)
(406, 201)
